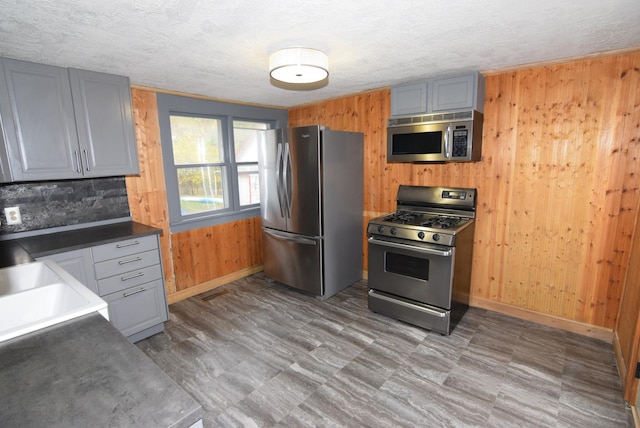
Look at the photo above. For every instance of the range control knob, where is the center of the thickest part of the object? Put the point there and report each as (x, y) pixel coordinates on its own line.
(380, 229)
(393, 231)
(436, 237)
(421, 235)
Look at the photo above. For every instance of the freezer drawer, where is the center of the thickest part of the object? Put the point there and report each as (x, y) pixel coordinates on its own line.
(293, 260)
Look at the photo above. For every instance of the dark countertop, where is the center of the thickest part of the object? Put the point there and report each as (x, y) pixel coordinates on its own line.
(25, 250)
(84, 373)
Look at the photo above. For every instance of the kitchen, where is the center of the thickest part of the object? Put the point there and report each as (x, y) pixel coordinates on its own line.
(539, 130)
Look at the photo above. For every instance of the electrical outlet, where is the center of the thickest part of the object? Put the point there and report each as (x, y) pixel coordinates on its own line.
(13, 215)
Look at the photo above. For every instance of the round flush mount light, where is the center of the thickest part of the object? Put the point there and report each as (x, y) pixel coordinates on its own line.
(299, 65)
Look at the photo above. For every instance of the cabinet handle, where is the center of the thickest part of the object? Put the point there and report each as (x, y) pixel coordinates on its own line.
(124, 262)
(128, 244)
(136, 275)
(77, 156)
(86, 160)
(131, 293)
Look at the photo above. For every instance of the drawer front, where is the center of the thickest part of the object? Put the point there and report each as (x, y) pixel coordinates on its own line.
(123, 248)
(129, 279)
(137, 308)
(127, 263)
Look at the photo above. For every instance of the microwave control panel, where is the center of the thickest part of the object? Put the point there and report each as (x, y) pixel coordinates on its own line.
(460, 143)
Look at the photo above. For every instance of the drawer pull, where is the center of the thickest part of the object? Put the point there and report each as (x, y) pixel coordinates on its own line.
(127, 278)
(124, 262)
(131, 293)
(128, 244)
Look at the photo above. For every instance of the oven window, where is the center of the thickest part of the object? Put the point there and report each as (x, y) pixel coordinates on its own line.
(410, 266)
(417, 143)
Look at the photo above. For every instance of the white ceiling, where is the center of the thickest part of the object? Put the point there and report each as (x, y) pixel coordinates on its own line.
(221, 48)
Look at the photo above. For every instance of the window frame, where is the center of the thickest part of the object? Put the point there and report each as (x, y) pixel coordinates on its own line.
(169, 104)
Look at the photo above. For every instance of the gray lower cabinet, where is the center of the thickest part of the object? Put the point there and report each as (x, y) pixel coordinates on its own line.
(79, 264)
(128, 276)
(60, 123)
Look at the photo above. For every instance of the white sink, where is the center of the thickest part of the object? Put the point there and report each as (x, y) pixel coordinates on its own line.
(41, 294)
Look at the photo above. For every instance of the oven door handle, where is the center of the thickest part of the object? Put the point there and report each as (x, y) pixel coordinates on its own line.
(443, 253)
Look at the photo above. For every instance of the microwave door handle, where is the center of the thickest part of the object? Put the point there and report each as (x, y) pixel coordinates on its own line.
(447, 148)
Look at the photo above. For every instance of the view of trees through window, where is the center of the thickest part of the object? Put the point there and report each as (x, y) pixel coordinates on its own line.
(198, 153)
(201, 166)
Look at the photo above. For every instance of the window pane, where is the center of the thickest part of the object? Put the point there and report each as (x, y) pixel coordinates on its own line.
(245, 135)
(248, 184)
(202, 189)
(196, 140)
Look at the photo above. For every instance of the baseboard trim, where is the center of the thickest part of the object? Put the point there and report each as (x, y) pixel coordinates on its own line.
(585, 329)
(617, 351)
(210, 285)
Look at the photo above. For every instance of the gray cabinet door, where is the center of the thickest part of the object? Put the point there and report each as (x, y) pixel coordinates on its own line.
(453, 93)
(138, 308)
(104, 118)
(39, 127)
(79, 264)
(458, 93)
(409, 99)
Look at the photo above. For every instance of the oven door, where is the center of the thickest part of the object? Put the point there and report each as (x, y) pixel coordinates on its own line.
(412, 270)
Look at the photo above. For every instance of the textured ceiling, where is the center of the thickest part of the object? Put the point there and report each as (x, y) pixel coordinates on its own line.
(221, 48)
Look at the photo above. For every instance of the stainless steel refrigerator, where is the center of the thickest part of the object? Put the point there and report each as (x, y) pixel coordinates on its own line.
(311, 194)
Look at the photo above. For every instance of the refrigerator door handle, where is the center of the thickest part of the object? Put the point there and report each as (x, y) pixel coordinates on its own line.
(279, 181)
(291, 237)
(287, 180)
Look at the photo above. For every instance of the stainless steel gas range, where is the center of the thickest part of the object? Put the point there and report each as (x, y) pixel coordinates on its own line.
(420, 257)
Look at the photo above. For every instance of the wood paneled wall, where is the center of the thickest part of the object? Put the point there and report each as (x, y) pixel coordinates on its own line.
(197, 260)
(558, 191)
(558, 188)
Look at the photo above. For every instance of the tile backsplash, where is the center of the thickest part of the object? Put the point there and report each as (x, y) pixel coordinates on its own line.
(47, 204)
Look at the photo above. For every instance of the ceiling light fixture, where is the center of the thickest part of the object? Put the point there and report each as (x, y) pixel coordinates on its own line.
(299, 65)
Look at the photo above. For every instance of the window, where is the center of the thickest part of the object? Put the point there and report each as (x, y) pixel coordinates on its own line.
(246, 135)
(210, 153)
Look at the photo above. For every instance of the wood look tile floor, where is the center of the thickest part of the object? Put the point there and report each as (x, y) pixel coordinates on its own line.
(260, 354)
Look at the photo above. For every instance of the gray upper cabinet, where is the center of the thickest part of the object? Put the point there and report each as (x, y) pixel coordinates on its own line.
(409, 99)
(104, 120)
(39, 126)
(457, 93)
(441, 94)
(61, 124)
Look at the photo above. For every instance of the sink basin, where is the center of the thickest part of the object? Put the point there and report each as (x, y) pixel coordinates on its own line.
(41, 294)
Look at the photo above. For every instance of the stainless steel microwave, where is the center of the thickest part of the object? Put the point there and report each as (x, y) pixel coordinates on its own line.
(441, 137)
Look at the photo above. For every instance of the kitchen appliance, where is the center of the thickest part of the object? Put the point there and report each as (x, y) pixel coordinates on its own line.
(311, 192)
(441, 137)
(420, 257)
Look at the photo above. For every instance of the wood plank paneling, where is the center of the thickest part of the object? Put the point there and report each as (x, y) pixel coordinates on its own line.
(191, 258)
(201, 255)
(147, 193)
(557, 184)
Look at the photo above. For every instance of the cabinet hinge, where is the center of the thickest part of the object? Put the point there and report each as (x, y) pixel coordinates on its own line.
(638, 369)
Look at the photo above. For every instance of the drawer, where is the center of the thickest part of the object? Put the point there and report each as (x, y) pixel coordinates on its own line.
(138, 308)
(124, 248)
(127, 263)
(125, 280)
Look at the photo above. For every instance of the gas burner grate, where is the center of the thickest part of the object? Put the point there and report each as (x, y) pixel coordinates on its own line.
(401, 217)
(441, 222)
